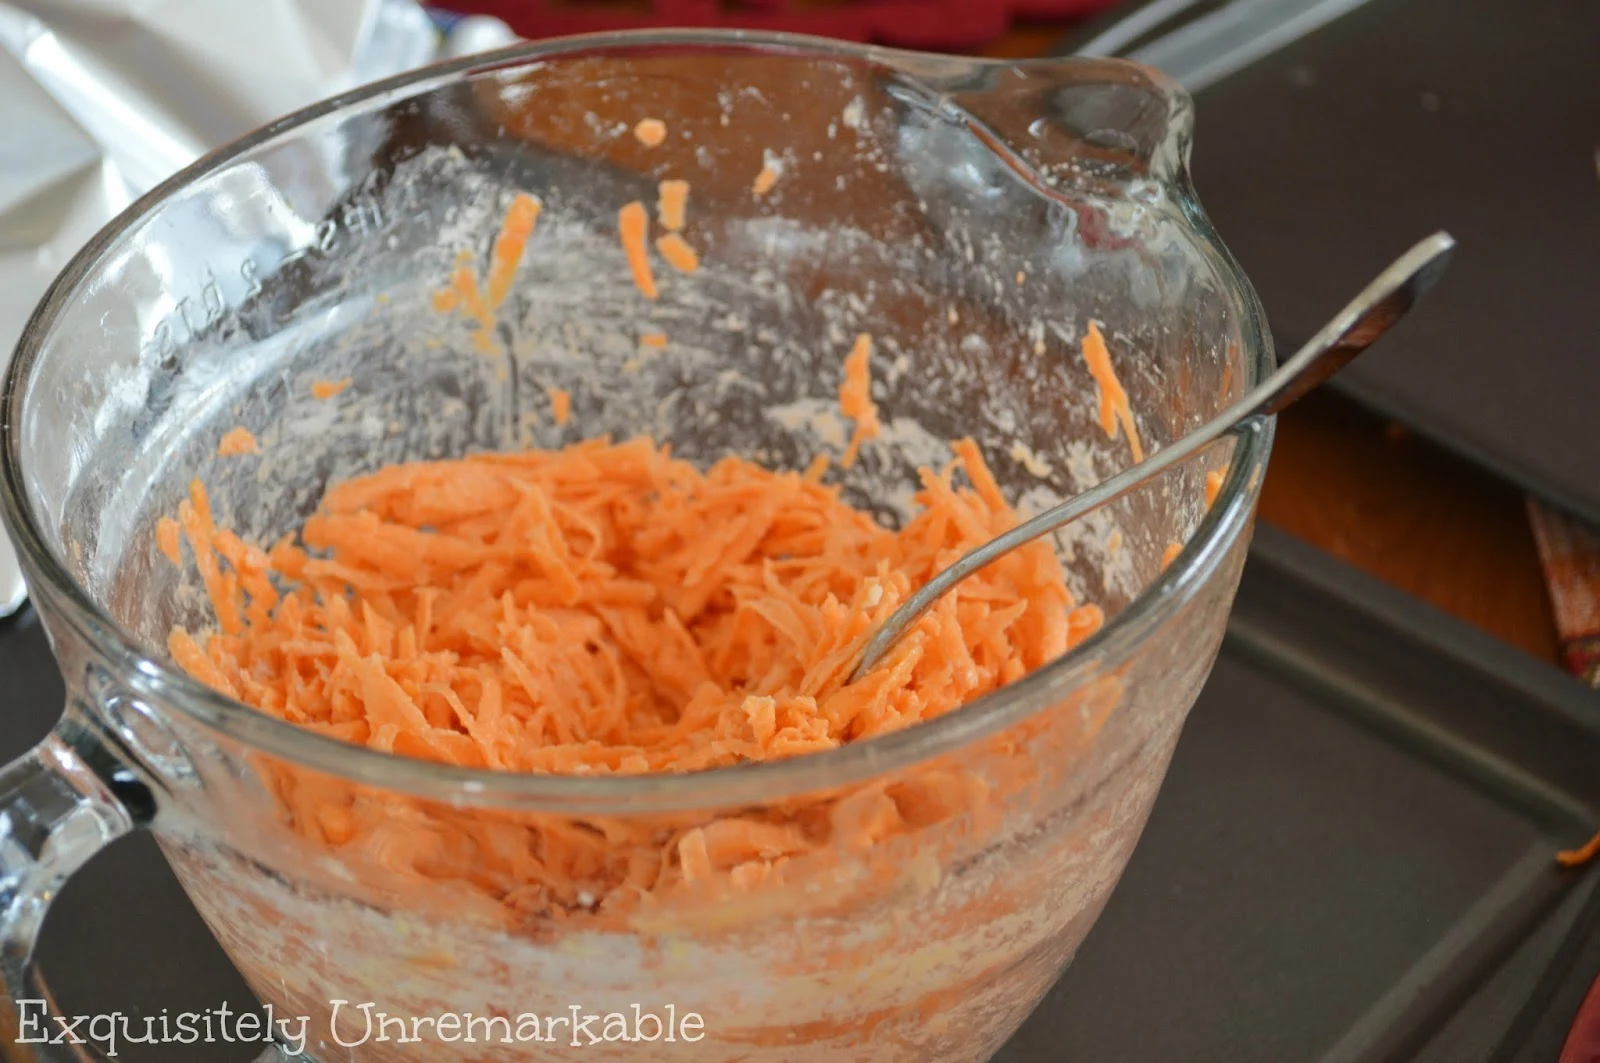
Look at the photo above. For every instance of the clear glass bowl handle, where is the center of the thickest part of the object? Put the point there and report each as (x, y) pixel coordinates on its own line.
(60, 804)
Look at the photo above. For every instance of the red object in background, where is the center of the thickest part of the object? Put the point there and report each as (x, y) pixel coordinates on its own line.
(935, 25)
(1583, 1046)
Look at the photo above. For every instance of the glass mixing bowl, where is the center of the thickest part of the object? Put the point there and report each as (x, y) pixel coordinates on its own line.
(973, 216)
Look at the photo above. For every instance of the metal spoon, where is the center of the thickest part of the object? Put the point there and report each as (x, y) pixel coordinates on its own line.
(1352, 330)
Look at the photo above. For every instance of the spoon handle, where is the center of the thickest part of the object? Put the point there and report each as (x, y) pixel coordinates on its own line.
(1352, 330)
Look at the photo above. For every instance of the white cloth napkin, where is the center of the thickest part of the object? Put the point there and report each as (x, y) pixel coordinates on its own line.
(102, 99)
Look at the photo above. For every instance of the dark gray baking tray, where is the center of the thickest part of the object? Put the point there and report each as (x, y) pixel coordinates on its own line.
(1323, 159)
(1355, 838)
(1352, 858)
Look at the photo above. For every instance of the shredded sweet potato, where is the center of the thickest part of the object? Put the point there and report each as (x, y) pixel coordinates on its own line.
(169, 539)
(609, 609)
(651, 132)
(560, 404)
(1084, 621)
(238, 442)
(766, 180)
(633, 226)
(1114, 406)
(515, 230)
(855, 399)
(1581, 855)
(478, 302)
(469, 299)
(678, 253)
(327, 389)
(672, 204)
(1214, 481)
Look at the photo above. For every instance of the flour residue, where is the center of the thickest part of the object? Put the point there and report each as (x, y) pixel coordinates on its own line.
(816, 417)
(854, 115)
(1037, 467)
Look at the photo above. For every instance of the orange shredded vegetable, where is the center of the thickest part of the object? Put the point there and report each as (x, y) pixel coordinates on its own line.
(633, 225)
(238, 442)
(169, 539)
(560, 404)
(765, 181)
(653, 339)
(446, 299)
(651, 132)
(479, 302)
(672, 204)
(1214, 481)
(1113, 398)
(606, 608)
(1084, 621)
(1581, 855)
(515, 230)
(1170, 554)
(327, 389)
(679, 255)
(468, 299)
(855, 398)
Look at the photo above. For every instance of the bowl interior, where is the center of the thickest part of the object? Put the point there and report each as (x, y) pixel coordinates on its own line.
(316, 256)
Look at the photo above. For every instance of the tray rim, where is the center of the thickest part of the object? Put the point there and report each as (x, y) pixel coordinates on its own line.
(1561, 692)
